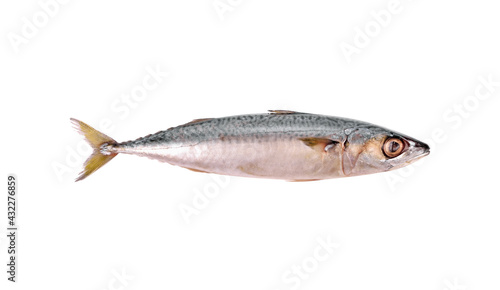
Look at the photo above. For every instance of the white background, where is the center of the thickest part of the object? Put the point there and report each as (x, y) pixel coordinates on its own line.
(431, 226)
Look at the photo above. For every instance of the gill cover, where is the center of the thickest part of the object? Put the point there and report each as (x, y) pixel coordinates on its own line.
(353, 146)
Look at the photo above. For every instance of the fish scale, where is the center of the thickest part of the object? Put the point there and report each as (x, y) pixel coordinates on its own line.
(298, 124)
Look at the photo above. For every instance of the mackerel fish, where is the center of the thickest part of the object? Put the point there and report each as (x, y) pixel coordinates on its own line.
(282, 144)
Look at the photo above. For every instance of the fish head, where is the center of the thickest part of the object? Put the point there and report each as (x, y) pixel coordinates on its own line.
(372, 150)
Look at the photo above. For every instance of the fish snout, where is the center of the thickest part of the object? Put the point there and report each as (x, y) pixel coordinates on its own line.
(421, 146)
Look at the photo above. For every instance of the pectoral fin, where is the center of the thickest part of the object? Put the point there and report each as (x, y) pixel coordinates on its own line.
(319, 144)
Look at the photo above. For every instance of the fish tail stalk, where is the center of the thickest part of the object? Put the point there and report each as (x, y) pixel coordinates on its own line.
(101, 145)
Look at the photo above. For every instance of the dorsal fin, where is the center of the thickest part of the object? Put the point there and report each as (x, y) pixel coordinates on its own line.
(283, 112)
(197, 121)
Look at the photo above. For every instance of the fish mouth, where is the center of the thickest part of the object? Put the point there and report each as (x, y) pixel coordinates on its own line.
(421, 150)
(425, 153)
(418, 148)
(426, 150)
(421, 145)
(418, 157)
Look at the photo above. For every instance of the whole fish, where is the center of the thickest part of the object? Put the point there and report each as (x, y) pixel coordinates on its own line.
(280, 145)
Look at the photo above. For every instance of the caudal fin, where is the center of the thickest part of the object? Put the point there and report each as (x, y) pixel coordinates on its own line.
(96, 140)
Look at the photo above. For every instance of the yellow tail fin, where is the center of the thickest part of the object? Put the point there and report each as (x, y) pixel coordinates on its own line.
(96, 139)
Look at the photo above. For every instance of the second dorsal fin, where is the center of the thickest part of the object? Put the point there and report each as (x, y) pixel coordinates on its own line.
(282, 112)
(197, 121)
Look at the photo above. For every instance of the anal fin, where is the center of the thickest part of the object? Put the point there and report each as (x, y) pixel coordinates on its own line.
(196, 170)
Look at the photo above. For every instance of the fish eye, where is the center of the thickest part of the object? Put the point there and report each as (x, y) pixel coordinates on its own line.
(393, 147)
